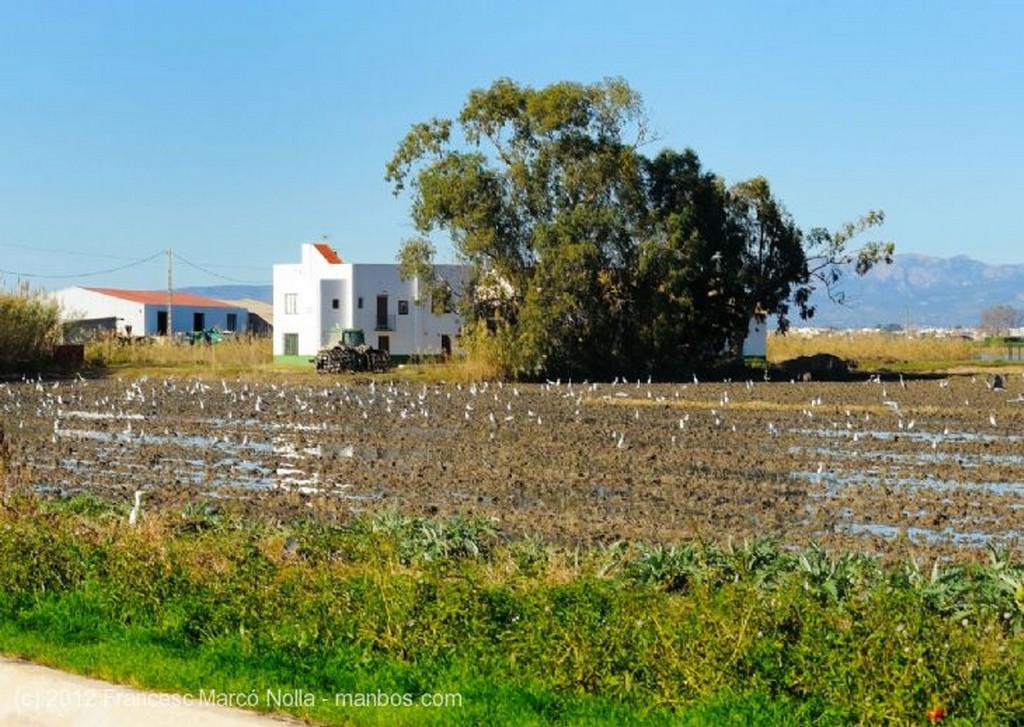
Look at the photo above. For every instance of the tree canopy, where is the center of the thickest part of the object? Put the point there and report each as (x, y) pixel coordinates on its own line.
(587, 257)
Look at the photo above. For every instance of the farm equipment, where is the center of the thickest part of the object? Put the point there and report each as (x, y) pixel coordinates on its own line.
(205, 335)
(351, 353)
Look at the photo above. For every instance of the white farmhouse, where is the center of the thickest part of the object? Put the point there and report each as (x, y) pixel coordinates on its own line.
(144, 312)
(319, 297)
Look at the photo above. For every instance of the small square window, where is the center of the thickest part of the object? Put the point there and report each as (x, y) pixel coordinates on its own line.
(334, 304)
(403, 307)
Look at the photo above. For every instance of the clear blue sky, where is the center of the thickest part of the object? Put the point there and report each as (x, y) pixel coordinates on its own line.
(234, 131)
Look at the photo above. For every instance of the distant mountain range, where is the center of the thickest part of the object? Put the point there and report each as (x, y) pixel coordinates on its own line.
(263, 293)
(916, 290)
(921, 291)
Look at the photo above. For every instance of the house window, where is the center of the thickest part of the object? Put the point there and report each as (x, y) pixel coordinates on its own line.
(291, 303)
(383, 324)
(233, 322)
(403, 307)
(359, 304)
(334, 303)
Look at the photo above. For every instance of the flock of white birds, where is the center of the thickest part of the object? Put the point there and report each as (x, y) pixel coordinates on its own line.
(331, 437)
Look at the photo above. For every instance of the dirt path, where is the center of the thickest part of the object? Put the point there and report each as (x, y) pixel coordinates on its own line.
(37, 696)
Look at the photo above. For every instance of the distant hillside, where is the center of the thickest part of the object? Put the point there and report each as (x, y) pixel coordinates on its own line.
(262, 293)
(922, 291)
(917, 290)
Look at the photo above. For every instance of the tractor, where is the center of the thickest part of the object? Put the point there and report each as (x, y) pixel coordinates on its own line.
(351, 353)
(203, 335)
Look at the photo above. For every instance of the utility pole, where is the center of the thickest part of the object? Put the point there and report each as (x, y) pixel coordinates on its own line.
(170, 294)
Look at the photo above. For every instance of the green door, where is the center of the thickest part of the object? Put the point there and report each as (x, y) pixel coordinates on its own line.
(291, 344)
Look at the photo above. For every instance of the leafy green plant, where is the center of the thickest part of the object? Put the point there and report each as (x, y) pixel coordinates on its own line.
(672, 568)
(832, 579)
(619, 633)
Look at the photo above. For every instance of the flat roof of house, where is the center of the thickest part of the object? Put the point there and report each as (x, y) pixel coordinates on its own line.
(159, 297)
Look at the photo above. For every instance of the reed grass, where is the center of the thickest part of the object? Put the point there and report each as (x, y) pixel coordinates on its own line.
(875, 348)
(238, 354)
(29, 326)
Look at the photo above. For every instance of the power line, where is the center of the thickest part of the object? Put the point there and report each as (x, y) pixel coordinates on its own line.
(55, 251)
(84, 275)
(135, 263)
(218, 275)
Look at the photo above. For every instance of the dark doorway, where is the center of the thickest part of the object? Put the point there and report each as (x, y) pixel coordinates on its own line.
(382, 313)
(198, 321)
(161, 323)
(384, 343)
(446, 345)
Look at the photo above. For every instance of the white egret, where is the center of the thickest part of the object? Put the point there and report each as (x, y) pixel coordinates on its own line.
(133, 516)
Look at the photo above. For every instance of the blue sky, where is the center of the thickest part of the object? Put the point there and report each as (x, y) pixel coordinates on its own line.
(234, 131)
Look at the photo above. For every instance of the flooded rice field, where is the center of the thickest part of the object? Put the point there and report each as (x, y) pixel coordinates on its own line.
(926, 467)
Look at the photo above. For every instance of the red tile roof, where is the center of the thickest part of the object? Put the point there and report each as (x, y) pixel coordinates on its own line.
(328, 252)
(159, 297)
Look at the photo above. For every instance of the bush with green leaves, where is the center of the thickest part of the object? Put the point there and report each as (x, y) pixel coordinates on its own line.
(29, 327)
(525, 632)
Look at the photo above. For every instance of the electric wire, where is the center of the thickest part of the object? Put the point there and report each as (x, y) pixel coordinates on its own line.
(79, 253)
(218, 275)
(135, 262)
(93, 273)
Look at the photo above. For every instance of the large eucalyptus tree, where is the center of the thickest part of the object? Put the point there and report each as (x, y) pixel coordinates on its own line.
(588, 258)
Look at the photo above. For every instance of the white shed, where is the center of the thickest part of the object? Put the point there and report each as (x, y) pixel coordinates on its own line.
(144, 312)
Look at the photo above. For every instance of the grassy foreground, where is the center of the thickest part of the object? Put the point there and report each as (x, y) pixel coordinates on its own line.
(362, 622)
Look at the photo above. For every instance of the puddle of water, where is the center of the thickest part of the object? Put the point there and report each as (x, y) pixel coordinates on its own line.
(834, 482)
(82, 414)
(891, 532)
(938, 455)
(913, 435)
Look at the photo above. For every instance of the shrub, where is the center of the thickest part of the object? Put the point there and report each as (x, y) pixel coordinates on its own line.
(29, 327)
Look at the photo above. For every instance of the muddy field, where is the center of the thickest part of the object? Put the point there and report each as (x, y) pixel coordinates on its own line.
(922, 467)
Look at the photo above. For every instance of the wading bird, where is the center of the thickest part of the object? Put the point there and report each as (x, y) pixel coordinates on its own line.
(133, 516)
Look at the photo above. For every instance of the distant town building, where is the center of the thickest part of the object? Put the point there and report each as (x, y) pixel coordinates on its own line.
(319, 297)
(90, 311)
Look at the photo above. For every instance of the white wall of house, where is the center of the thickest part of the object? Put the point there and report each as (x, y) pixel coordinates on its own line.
(315, 299)
(81, 304)
(400, 310)
(298, 291)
